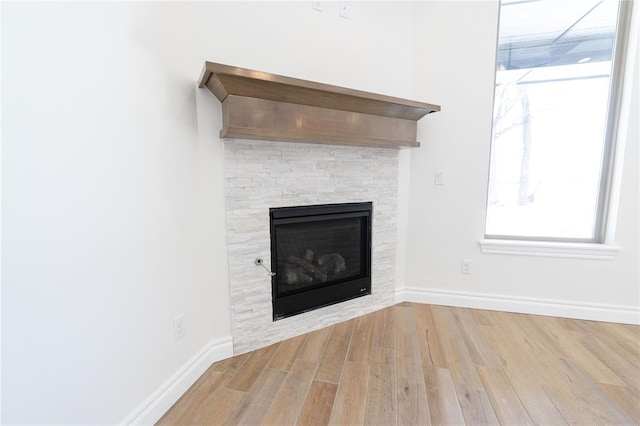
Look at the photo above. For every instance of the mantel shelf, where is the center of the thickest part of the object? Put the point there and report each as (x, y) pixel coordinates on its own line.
(264, 106)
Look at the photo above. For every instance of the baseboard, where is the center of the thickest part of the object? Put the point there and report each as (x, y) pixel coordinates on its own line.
(160, 401)
(557, 308)
(399, 294)
(150, 411)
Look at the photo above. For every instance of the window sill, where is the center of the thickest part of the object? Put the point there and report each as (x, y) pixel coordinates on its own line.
(549, 249)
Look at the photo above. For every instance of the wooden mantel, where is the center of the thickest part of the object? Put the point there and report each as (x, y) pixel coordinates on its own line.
(264, 106)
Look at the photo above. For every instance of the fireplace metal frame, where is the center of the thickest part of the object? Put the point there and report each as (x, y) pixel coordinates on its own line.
(323, 294)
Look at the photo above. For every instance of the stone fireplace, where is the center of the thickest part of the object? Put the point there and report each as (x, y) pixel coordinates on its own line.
(291, 142)
(260, 176)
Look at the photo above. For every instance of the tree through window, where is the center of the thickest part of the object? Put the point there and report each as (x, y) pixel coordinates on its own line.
(553, 112)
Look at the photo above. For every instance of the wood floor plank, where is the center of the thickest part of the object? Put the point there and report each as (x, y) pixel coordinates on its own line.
(540, 353)
(444, 408)
(231, 365)
(419, 364)
(333, 360)
(482, 317)
(474, 402)
(315, 345)
(351, 398)
(411, 390)
(254, 407)
(628, 373)
(626, 399)
(503, 397)
(215, 407)
(513, 354)
(538, 342)
(251, 368)
(361, 341)
(413, 408)
(384, 331)
(428, 339)
(381, 398)
(563, 396)
(474, 339)
(625, 332)
(629, 350)
(218, 410)
(408, 351)
(572, 348)
(588, 391)
(193, 399)
(287, 352)
(289, 400)
(318, 405)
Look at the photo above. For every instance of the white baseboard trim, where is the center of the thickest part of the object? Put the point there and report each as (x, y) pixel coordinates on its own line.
(399, 294)
(549, 307)
(154, 407)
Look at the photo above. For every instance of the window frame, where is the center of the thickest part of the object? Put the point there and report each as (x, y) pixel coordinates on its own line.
(601, 227)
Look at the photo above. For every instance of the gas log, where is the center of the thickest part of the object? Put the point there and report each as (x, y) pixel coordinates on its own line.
(309, 268)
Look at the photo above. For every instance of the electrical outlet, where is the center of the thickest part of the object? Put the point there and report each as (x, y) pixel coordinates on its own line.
(178, 327)
(438, 177)
(466, 266)
(343, 9)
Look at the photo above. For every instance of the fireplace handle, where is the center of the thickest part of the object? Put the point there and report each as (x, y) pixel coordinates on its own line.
(260, 262)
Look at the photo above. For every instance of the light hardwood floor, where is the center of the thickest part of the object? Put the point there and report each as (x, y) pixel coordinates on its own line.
(415, 364)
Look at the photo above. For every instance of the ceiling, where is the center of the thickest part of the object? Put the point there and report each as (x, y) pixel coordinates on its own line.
(540, 33)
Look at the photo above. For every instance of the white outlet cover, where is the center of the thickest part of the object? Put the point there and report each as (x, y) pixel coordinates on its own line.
(178, 327)
(466, 266)
(343, 9)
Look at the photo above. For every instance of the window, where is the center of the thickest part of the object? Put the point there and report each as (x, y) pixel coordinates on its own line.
(557, 92)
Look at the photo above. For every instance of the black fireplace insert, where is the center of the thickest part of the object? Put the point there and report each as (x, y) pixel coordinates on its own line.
(320, 255)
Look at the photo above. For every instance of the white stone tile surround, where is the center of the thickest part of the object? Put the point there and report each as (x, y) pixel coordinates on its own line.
(260, 175)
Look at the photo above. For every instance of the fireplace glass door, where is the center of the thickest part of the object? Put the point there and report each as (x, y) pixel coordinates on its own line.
(321, 255)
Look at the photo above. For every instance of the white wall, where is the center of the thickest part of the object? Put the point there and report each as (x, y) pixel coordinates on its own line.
(112, 212)
(454, 62)
(112, 215)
